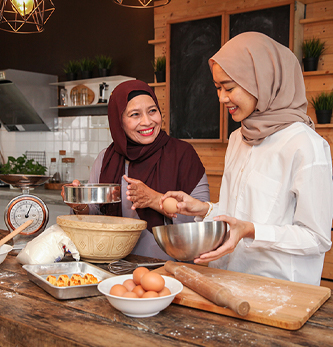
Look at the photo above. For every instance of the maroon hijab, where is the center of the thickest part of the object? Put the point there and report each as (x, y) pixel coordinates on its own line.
(166, 164)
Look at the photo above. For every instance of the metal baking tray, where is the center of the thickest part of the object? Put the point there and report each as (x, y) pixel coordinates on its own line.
(92, 193)
(38, 274)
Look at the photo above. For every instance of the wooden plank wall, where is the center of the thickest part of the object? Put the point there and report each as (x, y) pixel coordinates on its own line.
(212, 154)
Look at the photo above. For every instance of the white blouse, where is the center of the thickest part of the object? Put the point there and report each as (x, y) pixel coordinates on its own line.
(283, 186)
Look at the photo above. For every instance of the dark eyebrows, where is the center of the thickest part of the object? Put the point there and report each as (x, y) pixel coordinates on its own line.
(224, 82)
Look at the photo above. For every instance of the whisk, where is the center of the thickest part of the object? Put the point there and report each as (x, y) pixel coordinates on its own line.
(122, 267)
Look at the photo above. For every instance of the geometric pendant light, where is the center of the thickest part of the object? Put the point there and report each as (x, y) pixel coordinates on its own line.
(141, 3)
(25, 16)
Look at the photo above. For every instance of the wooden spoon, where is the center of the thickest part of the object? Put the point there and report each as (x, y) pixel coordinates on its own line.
(15, 232)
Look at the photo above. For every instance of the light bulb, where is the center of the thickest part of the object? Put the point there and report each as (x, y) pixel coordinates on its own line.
(23, 7)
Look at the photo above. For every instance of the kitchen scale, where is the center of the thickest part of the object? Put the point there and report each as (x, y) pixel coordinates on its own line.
(24, 207)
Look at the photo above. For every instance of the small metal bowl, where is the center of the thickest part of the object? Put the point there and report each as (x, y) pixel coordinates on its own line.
(92, 193)
(188, 241)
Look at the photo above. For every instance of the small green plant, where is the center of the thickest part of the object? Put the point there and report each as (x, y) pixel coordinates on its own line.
(23, 165)
(73, 66)
(313, 48)
(87, 64)
(159, 64)
(323, 101)
(103, 61)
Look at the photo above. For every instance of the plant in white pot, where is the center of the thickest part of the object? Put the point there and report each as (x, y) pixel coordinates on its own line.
(159, 66)
(312, 49)
(323, 105)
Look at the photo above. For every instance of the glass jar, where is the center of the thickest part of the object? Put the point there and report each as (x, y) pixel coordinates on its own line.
(62, 154)
(68, 170)
(53, 169)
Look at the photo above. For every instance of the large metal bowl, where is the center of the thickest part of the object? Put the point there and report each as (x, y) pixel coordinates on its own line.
(188, 241)
(92, 193)
(22, 180)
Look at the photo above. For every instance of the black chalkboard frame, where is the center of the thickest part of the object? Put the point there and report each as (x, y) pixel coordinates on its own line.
(219, 139)
(225, 126)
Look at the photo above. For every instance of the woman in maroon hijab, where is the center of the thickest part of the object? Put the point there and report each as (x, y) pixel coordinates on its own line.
(146, 161)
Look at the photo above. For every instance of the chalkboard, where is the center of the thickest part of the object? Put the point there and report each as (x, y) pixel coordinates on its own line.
(194, 105)
(273, 22)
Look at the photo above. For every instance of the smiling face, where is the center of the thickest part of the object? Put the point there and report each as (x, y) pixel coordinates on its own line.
(238, 101)
(142, 120)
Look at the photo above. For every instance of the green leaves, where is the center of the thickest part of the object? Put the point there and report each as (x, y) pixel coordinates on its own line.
(87, 64)
(103, 61)
(72, 66)
(313, 48)
(323, 101)
(159, 64)
(22, 165)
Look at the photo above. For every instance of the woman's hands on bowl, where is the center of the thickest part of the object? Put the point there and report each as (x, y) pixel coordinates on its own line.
(75, 183)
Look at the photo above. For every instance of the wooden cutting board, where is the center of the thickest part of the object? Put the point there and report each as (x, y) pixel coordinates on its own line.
(283, 304)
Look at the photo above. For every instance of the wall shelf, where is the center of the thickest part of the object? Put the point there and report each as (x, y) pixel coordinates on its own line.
(317, 73)
(324, 126)
(155, 84)
(156, 42)
(87, 110)
(97, 80)
(315, 20)
(94, 108)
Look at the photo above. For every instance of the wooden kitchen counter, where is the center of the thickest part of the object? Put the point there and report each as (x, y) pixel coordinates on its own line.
(31, 317)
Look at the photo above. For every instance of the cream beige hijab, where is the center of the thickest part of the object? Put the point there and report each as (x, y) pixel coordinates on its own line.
(271, 73)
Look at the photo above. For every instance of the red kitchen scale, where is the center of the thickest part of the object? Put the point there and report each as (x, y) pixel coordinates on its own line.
(24, 207)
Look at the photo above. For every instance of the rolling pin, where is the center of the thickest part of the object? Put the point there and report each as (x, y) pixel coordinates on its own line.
(208, 288)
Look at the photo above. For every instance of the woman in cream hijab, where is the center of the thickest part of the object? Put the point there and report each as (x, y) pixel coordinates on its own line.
(276, 191)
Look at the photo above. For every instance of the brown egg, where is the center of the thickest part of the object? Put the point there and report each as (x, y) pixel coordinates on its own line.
(130, 295)
(152, 281)
(150, 294)
(164, 292)
(170, 205)
(129, 284)
(118, 290)
(139, 290)
(138, 273)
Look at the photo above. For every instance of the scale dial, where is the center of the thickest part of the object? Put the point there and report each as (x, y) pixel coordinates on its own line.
(23, 208)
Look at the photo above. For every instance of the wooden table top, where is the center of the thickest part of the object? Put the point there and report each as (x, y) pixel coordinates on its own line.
(31, 317)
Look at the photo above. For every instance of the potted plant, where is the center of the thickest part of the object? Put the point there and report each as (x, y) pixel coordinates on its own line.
(71, 69)
(312, 49)
(323, 105)
(22, 165)
(104, 64)
(159, 66)
(86, 66)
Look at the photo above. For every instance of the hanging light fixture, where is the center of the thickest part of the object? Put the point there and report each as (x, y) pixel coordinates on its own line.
(25, 16)
(141, 3)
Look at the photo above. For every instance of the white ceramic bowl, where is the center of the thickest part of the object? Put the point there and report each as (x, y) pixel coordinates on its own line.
(139, 307)
(4, 250)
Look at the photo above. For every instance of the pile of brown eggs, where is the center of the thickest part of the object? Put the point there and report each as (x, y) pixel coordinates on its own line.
(145, 284)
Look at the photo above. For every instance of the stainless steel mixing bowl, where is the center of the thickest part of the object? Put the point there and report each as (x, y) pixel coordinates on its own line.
(188, 241)
(92, 193)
